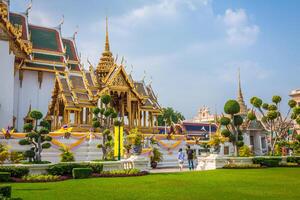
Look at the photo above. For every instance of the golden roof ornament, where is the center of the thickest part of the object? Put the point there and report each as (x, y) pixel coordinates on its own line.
(29, 7)
(240, 98)
(106, 61)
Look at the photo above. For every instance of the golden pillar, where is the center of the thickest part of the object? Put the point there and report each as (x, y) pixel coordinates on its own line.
(144, 118)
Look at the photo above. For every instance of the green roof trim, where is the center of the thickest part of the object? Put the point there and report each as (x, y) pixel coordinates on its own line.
(15, 19)
(48, 57)
(45, 38)
(70, 49)
(74, 67)
(37, 65)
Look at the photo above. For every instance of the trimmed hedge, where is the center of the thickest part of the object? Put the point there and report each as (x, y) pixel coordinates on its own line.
(17, 172)
(293, 159)
(65, 169)
(5, 191)
(4, 176)
(267, 161)
(82, 173)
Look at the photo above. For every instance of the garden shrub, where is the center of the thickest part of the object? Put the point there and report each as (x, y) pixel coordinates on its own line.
(4, 176)
(41, 178)
(82, 173)
(289, 164)
(35, 162)
(17, 172)
(122, 172)
(245, 151)
(267, 161)
(16, 157)
(96, 167)
(5, 191)
(66, 155)
(241, 166)
(65, 169)
(294, 159)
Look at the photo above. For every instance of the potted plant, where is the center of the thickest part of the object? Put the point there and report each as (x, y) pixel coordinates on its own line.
(66, 155)
(215, 142)
(136, 139)
(156, 157)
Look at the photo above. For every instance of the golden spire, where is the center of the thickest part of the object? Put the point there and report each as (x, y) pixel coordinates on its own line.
(240, 98)
(106, 61)
(106, 37)
(240, 94)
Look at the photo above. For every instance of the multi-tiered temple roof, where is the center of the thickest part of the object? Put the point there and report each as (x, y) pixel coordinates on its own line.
(76, 90)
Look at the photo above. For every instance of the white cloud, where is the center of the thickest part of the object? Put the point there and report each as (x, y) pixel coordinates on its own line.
(162, 11)
(41, 18)
(250, 71)
(238, 28)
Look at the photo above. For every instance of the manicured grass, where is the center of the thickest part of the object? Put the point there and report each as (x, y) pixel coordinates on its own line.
(252, 184)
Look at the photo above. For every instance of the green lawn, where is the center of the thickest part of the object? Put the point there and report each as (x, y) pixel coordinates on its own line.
(254, 184)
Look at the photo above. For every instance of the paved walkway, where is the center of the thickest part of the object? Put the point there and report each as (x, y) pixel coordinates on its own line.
(167, 170)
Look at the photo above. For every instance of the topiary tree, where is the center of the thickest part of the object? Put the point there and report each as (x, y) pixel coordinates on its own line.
(232, 123)
(37, 136)
(104, 120)
(273, 119)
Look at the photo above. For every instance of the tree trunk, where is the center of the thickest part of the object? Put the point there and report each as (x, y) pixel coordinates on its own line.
(235, 149)
(39, 149)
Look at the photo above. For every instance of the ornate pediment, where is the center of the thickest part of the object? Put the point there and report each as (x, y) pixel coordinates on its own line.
(119, 80)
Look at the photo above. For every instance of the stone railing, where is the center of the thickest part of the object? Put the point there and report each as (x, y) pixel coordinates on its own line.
(214, 161)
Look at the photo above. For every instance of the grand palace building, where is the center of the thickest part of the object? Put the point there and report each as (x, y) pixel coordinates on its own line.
(41, 69)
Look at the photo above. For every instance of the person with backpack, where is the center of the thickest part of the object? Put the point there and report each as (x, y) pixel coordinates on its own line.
(190, 156)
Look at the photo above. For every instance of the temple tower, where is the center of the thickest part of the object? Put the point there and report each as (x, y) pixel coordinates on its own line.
(107, 60)
(240, 98)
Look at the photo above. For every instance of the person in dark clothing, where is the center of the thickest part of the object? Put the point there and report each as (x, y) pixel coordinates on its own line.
(190, 156)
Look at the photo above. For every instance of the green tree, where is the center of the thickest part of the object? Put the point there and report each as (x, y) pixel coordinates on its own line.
(169, 115)
(104, 117)
(232, 123)
(37, 135)
(276, 124)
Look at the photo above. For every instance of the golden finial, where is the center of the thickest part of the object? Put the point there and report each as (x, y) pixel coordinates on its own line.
(240, 94)
(240, 98)
(122, 60)
(28, 8)
(106, 37)
(131, 70)
(144, 77)
(151, 80)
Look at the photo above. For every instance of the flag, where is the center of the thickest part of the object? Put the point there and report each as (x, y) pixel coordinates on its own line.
(116, 141)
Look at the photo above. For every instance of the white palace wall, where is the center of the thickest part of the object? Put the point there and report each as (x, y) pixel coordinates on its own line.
(6, 85)
(31, 94)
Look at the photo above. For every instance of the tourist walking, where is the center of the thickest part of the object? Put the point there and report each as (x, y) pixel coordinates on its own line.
(190, 156)
(180, 159)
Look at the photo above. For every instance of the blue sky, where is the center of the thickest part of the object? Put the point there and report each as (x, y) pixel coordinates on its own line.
(192, 49)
